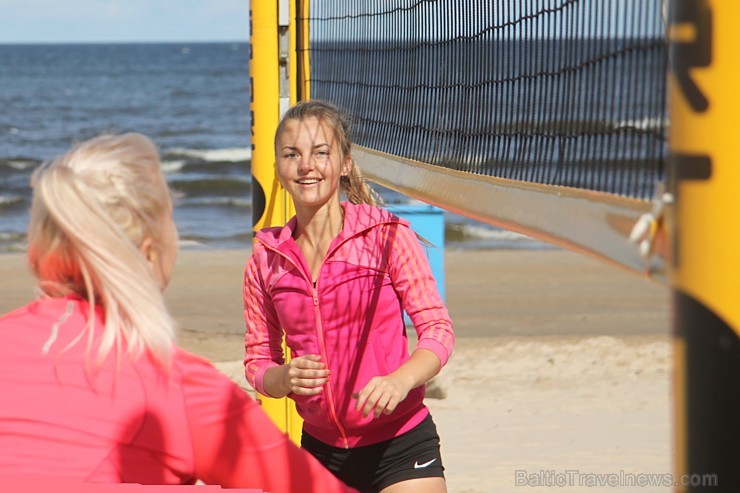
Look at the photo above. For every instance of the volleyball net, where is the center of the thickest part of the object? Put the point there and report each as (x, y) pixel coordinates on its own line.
(548, 118)
(545, 117)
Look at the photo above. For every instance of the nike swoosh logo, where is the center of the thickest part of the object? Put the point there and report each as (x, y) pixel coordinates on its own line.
(419, 466)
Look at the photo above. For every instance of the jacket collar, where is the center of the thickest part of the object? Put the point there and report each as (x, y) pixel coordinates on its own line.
(357, 218)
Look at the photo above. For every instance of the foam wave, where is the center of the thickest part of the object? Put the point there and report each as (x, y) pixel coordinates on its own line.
(220, 201)
(8, 201)
(215, 155)
(472, 231)
(18, 164)
(11, 236)
(196, 242)
(219, 186)
(12, 242)
(173, 166)
(465, 235)
(21, 164)
(645, 124)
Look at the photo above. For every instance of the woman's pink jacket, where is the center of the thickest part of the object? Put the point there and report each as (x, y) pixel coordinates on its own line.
(352, 316)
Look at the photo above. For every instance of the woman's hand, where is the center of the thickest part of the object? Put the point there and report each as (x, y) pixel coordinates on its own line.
(382, 395)
(306, 375)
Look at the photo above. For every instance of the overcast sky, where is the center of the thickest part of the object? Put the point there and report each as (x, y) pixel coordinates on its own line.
(83, 21)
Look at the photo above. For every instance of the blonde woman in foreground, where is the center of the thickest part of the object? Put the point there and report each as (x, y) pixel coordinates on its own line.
(94, 387)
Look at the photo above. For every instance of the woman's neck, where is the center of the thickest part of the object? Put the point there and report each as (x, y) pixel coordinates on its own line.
(315, 231)
(319, 226)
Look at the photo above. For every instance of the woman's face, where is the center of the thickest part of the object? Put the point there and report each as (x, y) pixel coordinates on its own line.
(310, 162)
(160, 248)
(165, 260)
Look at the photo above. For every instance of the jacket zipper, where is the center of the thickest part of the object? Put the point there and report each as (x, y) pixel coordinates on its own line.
(322, 346)
(328, 384)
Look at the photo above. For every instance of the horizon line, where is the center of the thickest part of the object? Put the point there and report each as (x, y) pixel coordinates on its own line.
(201, 41)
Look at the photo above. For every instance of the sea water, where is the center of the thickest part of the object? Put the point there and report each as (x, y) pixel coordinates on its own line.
(192, 99)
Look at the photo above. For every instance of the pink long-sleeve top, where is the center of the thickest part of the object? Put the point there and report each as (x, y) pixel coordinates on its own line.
(352, 316)
(130, 421)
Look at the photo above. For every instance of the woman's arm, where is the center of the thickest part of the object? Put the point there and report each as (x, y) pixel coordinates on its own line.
(264, 360)
(412, 279)
(383, 394)
(305, 375)
(414, 282)
(263, 349)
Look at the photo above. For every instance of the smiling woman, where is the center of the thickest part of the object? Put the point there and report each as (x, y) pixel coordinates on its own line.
(309, 164)
(335, 281)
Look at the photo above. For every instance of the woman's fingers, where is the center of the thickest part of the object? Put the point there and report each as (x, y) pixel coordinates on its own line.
(307, 388)
(307, 374)
(307, 361)
(302, 373)
(380, 395)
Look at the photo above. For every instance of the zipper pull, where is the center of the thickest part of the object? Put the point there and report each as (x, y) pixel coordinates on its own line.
(315, 297)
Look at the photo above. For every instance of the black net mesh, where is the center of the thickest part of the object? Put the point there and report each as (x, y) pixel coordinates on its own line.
(567, 93)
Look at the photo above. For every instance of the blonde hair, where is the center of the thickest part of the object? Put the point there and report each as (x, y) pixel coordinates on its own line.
(353, 184)
(92, 209)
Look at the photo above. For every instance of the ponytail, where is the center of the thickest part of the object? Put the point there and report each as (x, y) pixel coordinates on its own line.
(92, 209)
(356, 188)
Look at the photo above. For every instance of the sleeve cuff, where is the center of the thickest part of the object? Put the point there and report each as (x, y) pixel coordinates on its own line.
(259, 379)
(437, 348)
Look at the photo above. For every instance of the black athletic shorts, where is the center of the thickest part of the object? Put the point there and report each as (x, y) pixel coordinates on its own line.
(370, 468)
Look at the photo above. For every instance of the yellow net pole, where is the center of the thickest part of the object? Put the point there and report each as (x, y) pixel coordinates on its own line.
(704, 251)
(271, 205)
(268, 196)
(303, 75)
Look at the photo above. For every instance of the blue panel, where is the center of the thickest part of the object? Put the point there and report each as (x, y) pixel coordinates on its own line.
(428, 221)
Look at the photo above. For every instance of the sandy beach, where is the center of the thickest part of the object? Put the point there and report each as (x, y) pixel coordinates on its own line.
(560, 378)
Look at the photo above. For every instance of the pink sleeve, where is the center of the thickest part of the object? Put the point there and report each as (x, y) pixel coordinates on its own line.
(263, 337)
(237, 446)
(413, 280)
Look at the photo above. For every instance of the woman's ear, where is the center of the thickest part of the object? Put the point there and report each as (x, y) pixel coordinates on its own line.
(153, 260)
(277, 178)
(346, 166)
(147, 249)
